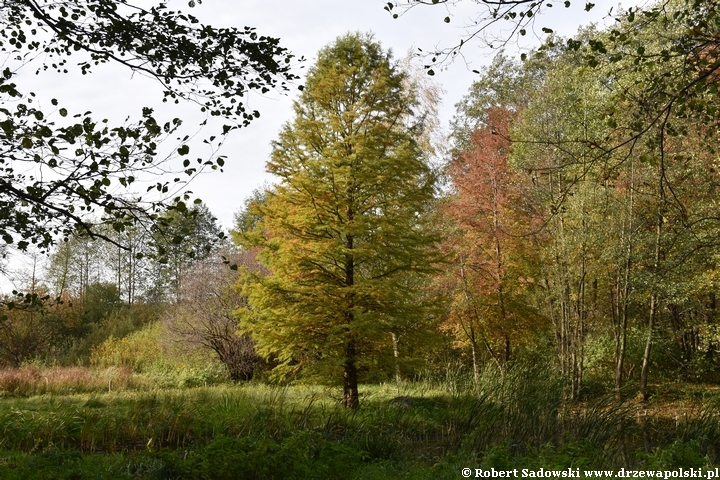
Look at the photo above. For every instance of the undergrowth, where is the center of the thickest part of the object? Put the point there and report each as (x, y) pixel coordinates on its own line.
(415, 430)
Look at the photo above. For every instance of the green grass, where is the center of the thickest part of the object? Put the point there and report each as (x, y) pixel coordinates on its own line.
(417, 430)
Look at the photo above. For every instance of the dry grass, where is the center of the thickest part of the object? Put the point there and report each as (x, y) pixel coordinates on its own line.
(30, 380)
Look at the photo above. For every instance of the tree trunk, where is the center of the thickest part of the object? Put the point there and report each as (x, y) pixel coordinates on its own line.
(621, 344)
(656, 273)
(500, 272)
(648, 347)
(396, 355)
(470, 332)
(351, 399)
(623, 304)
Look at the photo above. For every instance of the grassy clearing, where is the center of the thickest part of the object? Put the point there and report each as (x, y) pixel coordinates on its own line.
(418, 430)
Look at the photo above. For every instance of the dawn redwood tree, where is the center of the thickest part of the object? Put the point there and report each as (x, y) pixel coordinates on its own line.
(343, 233)
(489, 276)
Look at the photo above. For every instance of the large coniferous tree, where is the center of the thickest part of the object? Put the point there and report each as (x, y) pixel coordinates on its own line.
(342, 233)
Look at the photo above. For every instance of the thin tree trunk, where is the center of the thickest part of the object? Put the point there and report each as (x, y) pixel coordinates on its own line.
(499, 267)
(656, 267)
(648, 347)
(396, 355)
(476, 368)
(621, 340)
(620, 346)
(471, 331)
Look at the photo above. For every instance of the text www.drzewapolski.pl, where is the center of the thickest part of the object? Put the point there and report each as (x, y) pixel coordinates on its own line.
(578, 473)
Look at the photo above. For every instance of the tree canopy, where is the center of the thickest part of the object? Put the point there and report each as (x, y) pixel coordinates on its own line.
(611, 145)
(342, 233)
(63, 172)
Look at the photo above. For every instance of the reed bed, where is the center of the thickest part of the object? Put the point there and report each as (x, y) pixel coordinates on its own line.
(30, 380)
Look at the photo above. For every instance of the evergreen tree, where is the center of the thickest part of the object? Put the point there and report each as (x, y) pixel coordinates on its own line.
(343, 232)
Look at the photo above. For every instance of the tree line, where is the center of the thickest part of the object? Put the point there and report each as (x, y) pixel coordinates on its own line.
(573, 222)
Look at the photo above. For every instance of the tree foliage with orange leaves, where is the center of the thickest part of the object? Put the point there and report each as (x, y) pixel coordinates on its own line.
(488, 310)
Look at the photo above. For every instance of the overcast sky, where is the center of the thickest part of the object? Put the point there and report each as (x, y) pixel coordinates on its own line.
(304, 28)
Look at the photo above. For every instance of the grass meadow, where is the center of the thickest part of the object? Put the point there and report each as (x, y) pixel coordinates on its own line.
(78, 423)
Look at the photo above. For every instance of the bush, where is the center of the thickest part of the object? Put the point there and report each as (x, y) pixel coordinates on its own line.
(117, 324)
(167, 365)
(138, 351)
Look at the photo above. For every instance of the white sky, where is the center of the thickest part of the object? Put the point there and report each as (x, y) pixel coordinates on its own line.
(304, 28)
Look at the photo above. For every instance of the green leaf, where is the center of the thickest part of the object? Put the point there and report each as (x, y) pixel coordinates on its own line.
(8, 127)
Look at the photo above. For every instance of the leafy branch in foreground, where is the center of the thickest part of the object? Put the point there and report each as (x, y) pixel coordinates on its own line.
(56, 179)
(214, 67)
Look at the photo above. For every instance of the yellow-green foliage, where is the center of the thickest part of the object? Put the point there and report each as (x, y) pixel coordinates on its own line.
(139, 350)
(146, 353)
(343, 232)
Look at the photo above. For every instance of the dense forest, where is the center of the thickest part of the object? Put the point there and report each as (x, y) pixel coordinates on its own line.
(544, 274)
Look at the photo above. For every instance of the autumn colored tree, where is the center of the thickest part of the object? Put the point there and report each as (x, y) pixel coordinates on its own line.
(343, 233)
(488, 309)
(27, 332)
(616, 153)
